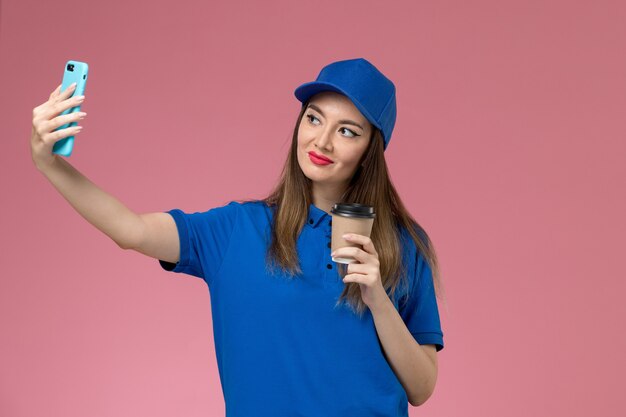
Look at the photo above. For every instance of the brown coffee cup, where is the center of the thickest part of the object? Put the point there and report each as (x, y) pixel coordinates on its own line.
(350, 218)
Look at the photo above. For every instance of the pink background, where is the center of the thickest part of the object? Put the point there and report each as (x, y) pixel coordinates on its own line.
(509, 148)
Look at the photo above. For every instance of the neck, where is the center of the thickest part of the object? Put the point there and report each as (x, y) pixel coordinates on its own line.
(325, 198)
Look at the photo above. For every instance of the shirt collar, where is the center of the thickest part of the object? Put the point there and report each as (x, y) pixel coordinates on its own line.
(315, 216)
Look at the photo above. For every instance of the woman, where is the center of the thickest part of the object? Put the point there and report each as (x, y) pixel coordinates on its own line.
(296, 334)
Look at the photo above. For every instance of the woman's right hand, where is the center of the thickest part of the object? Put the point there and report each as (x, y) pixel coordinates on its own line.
(46, 119)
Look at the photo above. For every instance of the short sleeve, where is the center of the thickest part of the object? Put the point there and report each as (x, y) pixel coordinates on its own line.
(204, 239)
(420, 312)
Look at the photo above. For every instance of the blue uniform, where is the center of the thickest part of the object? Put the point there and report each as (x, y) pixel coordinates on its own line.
(282, 347)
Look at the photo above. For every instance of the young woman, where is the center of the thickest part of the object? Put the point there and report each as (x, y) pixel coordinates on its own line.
(297, 334)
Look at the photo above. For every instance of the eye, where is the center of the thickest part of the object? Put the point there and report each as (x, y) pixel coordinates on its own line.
(354, 135)
(309, 116)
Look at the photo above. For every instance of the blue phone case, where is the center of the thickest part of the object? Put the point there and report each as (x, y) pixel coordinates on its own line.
(75, 72)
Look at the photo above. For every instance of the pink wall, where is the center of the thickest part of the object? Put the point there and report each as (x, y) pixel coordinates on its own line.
(509, 148)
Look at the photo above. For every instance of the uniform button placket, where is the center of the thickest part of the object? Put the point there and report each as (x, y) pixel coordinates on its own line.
(329, 231)
(329, 276)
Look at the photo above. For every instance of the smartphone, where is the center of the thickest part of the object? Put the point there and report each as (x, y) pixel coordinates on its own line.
(74, 72)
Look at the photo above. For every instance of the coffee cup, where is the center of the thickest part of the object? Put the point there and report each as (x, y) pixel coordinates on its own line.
(350, 218)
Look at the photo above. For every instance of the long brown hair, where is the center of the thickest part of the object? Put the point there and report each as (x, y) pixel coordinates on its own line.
(290, 200)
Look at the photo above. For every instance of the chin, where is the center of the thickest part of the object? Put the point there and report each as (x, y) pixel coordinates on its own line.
(312, 175)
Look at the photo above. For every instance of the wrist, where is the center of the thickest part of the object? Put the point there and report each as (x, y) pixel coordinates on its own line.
(383, 306)
(49, 166)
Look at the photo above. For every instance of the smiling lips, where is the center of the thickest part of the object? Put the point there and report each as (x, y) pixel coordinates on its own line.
(319, 159)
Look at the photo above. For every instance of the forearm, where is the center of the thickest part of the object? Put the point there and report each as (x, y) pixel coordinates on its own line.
(407, 358)
(99, 208)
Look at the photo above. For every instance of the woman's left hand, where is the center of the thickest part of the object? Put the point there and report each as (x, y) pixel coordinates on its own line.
(366, 272)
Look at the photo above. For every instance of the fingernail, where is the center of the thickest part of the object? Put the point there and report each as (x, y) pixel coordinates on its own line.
(347, 236)
(80, 98)
(72, 85)
(332, 254)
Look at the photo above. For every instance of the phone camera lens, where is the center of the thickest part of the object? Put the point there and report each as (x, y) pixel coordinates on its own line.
(70, 67)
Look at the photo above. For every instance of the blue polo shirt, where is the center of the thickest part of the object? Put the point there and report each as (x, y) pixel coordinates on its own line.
(282, 347)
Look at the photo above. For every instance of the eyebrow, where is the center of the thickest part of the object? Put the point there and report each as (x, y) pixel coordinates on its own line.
(346, 122)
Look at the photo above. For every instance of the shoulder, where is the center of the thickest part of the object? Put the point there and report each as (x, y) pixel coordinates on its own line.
(250, 206)
(235, 205)
(415, 251)
(409, 245)
(255, 211)
(413, 257)
(419, 230)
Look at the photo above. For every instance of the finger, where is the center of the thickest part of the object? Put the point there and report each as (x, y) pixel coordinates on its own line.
(65, 118)
(356, 253)
(65, 93)
(359, 278)
(55, 108)
(62, 133)
(368, 247)
(55, 92)
(68, 91)
(357, 268)
(365, 241)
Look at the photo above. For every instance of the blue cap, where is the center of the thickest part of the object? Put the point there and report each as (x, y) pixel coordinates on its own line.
(370, 91)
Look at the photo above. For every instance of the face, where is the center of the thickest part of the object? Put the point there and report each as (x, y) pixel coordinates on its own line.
(333, 127)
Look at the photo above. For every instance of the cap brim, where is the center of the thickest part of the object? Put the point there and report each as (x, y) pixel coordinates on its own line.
(307, 90)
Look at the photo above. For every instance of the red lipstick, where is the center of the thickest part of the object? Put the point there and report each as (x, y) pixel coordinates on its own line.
(319, 159)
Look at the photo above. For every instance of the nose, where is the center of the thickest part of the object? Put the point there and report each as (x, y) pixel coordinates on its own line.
(324, 140)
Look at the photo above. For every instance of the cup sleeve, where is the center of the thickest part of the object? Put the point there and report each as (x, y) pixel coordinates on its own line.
(420, 311)
(204, 238)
